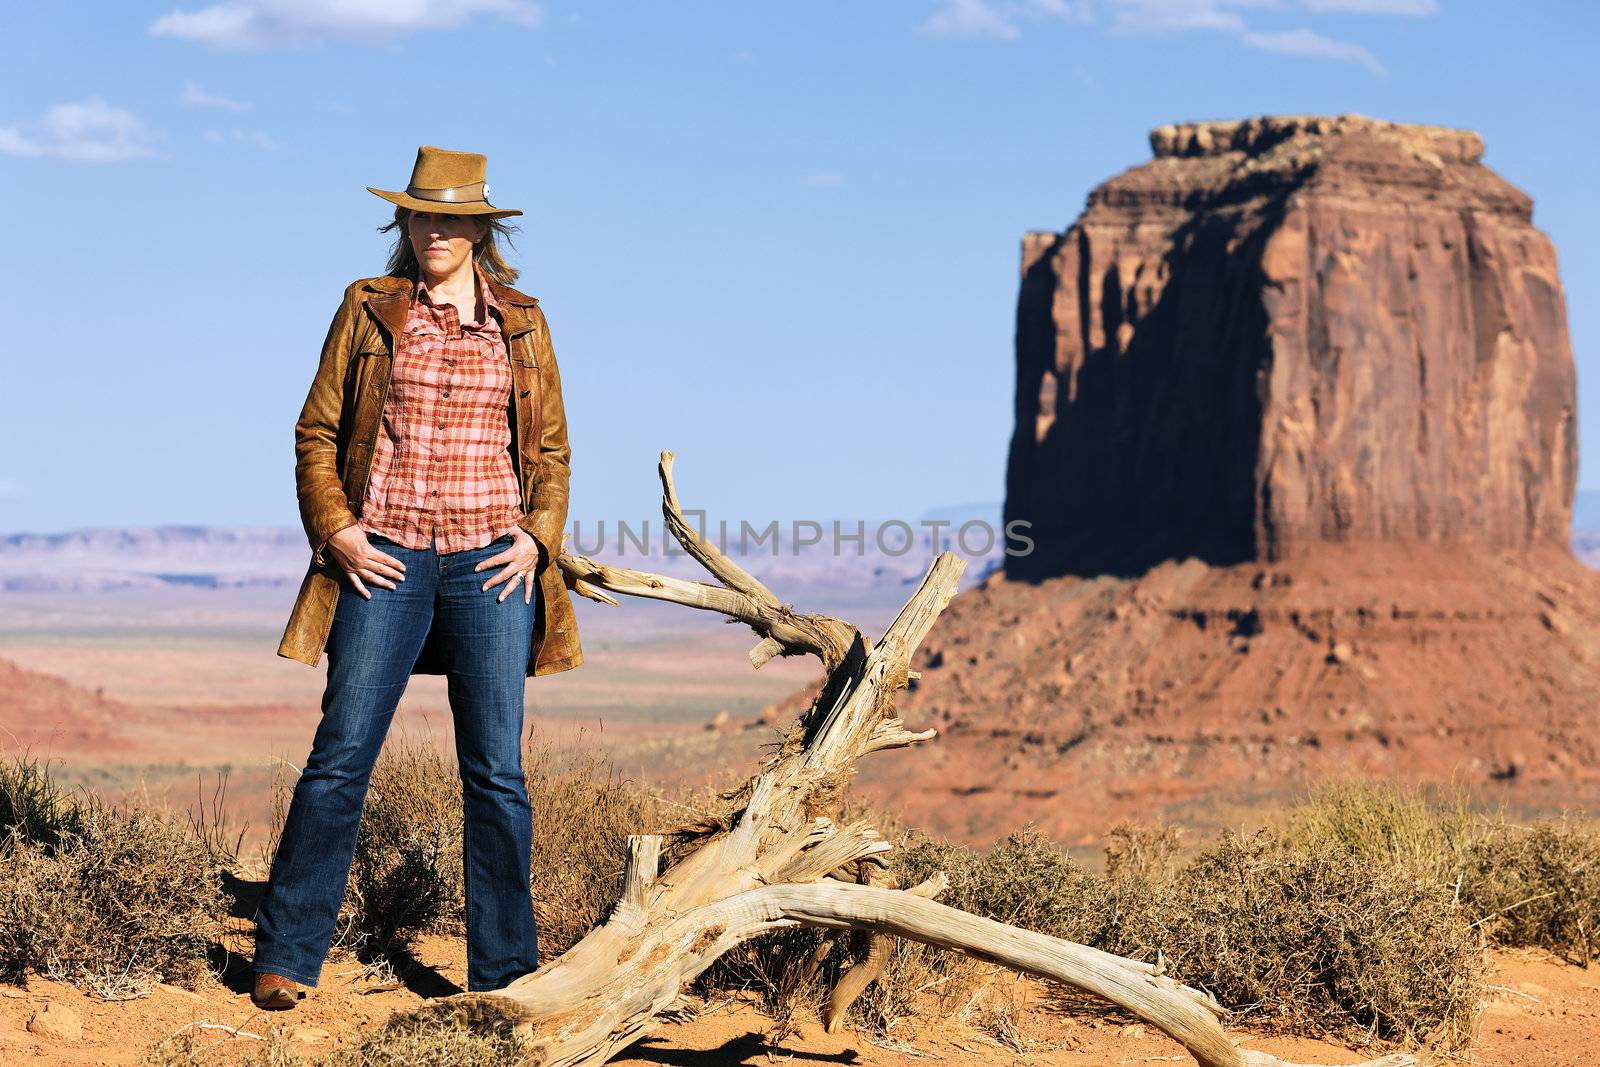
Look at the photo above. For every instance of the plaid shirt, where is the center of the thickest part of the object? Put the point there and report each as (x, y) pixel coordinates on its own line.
(442, 465)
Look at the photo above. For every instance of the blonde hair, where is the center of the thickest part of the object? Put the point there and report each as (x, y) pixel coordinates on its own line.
(486, 253)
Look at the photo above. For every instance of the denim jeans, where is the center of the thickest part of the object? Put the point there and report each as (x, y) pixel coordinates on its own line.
(372, 647)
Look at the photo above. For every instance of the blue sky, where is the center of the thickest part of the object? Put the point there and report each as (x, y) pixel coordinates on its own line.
(779, 239)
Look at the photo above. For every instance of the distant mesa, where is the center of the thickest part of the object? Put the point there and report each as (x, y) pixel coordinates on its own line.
(1294, 434)
(1286, 331)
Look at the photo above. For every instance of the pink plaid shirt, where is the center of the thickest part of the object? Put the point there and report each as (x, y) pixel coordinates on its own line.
(442, 466)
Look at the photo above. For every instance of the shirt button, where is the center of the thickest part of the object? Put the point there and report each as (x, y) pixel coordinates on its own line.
(445, 393)
(438, 425)
(436, 492)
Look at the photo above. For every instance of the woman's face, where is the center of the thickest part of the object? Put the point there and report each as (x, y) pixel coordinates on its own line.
(442, 243)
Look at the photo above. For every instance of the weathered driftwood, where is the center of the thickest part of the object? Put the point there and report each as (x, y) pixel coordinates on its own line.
(780, 859)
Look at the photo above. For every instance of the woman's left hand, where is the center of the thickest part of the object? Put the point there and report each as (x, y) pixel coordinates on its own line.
(520, 557)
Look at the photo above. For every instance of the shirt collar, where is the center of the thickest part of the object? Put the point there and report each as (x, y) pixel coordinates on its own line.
(485, 290)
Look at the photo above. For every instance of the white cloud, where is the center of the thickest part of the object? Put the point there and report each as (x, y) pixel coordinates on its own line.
(194, 96)
(1306, 43)
(1175, 15)
(269, 23)
(1004, 18)
(253, 137)
(88, 131)
(1374, 7)
(994, 18)
(970, 18)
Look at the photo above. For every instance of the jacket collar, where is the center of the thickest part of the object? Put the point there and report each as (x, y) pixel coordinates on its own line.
(394, 295)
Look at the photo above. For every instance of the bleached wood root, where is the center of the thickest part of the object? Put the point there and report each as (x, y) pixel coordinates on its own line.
(623, 996)
(772, 861)
(872, 950)
(784, 632)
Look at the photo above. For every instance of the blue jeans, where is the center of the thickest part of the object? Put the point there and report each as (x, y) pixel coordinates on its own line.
(372, 647)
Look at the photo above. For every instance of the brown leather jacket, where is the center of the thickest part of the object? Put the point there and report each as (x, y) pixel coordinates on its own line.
(338, 430)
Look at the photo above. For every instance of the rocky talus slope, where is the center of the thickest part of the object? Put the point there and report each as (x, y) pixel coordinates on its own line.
(1195, 694)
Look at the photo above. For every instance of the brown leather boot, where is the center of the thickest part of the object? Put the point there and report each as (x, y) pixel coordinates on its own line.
(274, 992)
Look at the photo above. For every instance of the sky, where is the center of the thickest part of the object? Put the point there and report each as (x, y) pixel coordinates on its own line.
(779, 239)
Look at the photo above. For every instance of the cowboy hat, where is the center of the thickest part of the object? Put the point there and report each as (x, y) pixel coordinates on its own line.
(447, 183)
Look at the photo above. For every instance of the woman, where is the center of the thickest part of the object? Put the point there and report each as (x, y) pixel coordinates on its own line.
(432, 470)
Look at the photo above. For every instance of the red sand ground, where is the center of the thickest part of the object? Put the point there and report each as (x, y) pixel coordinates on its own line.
(1542, 1013)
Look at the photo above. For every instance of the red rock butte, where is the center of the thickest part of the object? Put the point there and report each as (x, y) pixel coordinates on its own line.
(1295, 438)
(1287, 331)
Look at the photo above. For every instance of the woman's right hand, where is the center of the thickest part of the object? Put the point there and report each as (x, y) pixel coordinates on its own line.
(360, 559)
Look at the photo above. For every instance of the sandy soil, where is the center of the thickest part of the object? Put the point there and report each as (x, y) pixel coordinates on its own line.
(1543, 1013)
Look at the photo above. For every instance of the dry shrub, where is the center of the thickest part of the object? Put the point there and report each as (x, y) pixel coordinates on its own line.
(583, 814)
(32, 807)
(1320, 941)
(1323, 939)
(1538, 885)
(1022, 881)
(790, 972)
(997, 1015)
(406, 877)
(1387, 823)
(399, 1043)
(1143, 851)
(108, 899)
(487, 1042)
(1533, 885)
(1353, 918)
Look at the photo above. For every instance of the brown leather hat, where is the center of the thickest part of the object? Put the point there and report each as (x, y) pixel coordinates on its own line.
(447, 183)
